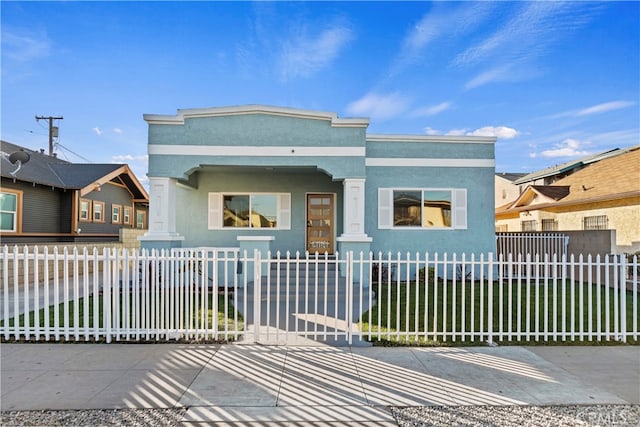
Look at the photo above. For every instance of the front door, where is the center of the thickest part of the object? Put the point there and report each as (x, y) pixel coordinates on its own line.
(320, 223)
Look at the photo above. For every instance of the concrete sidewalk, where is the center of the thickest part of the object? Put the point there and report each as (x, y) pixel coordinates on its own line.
(242, 383)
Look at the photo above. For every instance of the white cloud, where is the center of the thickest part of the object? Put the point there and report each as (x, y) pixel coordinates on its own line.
(595, 109)
(23, 47)
(432, 110)
(97, 130)
(304, 55)
(117, 130)
(568, 148)
(377, 106)
(501, 132)
(530, 32)
(604, 107)
(127, 158)
(441, 22)
(456, 132)
(500, 73)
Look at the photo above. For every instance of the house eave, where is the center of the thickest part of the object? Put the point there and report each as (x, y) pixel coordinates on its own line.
(542, 206)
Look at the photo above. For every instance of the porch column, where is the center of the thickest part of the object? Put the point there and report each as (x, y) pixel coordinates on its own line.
(353, 237)
(353, 199)
(162, 215)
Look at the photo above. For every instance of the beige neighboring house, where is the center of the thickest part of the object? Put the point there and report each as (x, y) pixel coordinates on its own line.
(601, 196)
(506, 190)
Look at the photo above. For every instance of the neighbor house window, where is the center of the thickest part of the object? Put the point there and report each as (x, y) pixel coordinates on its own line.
(422, 208)
(126, 216)
(249, 210)
(549, 225)
(531, 225)
(10, 203)
(598, 222)
(141, 217)
(98, 211)
(85, 209)
(116, 212)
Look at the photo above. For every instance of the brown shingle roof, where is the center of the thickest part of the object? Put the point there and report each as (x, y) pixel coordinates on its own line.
(556, 192)
(609, 177)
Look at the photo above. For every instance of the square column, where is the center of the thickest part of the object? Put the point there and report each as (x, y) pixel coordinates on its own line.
(162, 215)
(353, 199)
(354, 237)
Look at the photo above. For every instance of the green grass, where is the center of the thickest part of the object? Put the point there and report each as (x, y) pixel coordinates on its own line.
(398, 307)
(90, 316)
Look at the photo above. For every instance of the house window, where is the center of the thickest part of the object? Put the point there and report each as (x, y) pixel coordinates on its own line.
(430, 208)
(598, 222)
(502, 228)
(141, 217)
(549, 225)
(126, 216)
(115, 214)
(530, 225)
(85, 209)
(98, 211)
(10, 204)
(250, 210)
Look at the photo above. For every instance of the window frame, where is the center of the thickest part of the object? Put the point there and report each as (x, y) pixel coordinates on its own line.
(102, 219)
(215, 220)
(89, 217)
(126, 215)
(549, 224)
(144, 219)
(459, 208)
(595, 222)
(116, 217)
(529, 225)
(17, 214)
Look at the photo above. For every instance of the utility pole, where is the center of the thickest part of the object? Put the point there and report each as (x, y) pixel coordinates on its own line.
(52, 129)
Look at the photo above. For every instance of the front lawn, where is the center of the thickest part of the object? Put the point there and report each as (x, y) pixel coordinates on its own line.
(526, 313)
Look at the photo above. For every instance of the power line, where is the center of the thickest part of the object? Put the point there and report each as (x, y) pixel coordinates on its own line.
(72, 152)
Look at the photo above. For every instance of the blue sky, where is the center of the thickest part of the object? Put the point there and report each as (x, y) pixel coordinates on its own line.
(553, 81)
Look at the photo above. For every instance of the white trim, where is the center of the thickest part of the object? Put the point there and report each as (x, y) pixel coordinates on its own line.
(183, 114)
(462, 139)
(254, 151)
(255, 238)
(438, 163)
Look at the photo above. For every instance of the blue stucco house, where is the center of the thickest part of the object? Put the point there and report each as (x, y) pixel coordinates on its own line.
(289, 179)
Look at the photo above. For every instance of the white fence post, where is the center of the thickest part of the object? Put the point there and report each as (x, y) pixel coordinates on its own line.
(257, 295)
(623, 298)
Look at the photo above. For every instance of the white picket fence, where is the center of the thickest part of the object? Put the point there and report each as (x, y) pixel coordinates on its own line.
(210, 294)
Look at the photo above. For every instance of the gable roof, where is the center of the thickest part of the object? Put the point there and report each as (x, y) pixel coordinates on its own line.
(51, 171)
(615, 177)
(510, 176)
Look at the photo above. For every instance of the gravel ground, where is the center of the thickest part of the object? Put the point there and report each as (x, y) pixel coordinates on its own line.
(507, 416)
(521, 416)
(93, 417)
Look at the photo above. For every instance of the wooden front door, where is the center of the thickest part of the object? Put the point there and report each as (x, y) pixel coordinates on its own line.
(320, 223)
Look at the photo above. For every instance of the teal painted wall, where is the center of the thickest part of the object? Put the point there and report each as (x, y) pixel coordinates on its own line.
(479, 235)
(266, 130)
(255, 130)
(192, 210)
